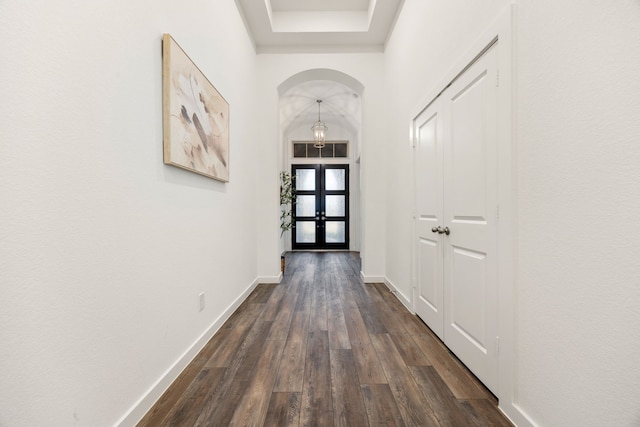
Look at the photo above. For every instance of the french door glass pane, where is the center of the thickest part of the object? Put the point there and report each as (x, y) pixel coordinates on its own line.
(305, 231)
(321, 206)
(306, 180)
(334, 179)
(305, 205)
(334, 232)
(334, 205)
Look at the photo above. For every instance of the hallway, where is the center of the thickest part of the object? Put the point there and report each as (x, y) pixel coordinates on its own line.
(323, 349)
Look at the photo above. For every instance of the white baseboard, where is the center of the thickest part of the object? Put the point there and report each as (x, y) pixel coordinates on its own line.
(142, 406)
(393, 288)
(371, 279)
(402, 297)
(516, 415)
(270, 279)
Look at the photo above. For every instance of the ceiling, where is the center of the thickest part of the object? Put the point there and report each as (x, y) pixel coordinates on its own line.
(339, 110)
(319, 25)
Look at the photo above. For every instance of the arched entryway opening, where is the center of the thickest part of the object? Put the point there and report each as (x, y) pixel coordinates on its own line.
(340, 109)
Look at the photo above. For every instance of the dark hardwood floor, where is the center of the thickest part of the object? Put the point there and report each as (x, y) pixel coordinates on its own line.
(324, 349)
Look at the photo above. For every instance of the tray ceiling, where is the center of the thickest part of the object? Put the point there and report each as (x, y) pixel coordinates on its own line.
(320, 25)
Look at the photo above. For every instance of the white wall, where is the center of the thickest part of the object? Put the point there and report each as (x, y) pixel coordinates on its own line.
(578, 201)
(578, 185)
(274, 69)
(104, 249)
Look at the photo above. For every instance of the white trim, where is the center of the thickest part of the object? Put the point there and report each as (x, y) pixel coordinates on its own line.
(371, 279)
(401, 297)
(507, 238)
(270, 279)
(146, 402)
(517, 416)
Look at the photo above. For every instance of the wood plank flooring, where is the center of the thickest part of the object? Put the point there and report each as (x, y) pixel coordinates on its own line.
(324, 349)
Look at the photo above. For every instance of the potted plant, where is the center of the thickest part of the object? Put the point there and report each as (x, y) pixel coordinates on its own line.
(287, 200)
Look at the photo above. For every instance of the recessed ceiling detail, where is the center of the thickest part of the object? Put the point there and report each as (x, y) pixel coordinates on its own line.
(320, 25)
(340, 106)
(319, 5)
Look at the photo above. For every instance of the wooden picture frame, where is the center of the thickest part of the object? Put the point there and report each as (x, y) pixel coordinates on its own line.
(195, 116)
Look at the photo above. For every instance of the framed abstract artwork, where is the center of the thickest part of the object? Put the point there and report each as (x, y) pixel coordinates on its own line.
(195, 116)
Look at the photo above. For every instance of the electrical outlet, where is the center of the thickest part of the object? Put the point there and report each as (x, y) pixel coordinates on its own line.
(201, 296)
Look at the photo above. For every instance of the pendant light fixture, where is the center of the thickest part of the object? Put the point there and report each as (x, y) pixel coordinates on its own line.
(319, 130)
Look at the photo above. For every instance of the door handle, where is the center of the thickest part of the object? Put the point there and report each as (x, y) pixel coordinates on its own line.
(441, 230)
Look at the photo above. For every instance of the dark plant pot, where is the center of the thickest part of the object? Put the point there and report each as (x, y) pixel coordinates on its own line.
(282, 263)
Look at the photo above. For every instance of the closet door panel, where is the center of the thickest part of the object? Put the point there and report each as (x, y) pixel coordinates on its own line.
(428, 198)
(470, 203)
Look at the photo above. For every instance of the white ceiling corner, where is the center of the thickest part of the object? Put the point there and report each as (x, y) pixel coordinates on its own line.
(319, 25)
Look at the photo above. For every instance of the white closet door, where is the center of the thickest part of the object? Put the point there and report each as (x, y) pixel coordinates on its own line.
(470, 214)
(456, 217)
(428, 186)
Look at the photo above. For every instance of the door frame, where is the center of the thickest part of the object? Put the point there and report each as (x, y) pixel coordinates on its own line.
(501, 31)
(320, 217)
(355, 208)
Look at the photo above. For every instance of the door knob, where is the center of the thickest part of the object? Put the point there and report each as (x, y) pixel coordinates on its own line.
(441, 230)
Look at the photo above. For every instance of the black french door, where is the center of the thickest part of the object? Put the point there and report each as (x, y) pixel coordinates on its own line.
(321, 212)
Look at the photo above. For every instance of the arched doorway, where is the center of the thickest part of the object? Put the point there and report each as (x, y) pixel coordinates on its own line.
(341, 111)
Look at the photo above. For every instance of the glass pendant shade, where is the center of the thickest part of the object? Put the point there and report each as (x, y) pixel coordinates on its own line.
(319, 130)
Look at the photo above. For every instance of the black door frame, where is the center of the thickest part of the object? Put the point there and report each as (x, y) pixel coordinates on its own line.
(320, 218)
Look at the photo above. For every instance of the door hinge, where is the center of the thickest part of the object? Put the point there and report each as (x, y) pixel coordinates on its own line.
(497, 345)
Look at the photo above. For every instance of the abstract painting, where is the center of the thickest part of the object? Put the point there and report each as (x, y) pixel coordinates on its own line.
(195, 116)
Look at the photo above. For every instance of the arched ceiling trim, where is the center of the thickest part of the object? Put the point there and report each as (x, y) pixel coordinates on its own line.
(321, 74)
(341, 101)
